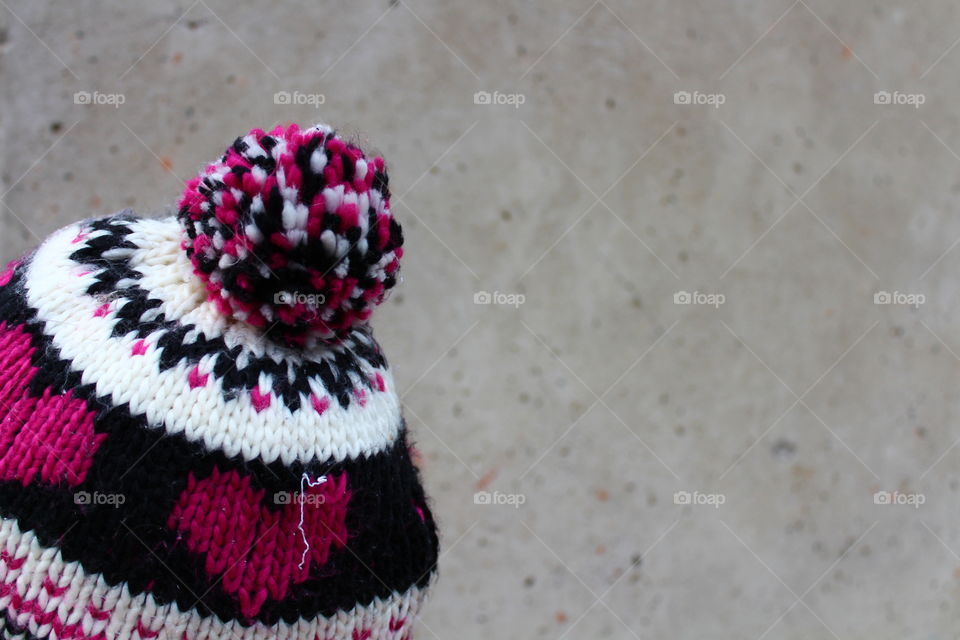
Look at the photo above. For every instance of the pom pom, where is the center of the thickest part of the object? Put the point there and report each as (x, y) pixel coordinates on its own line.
(292, 232)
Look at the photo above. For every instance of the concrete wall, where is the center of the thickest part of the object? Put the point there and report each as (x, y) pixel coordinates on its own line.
(783, 190)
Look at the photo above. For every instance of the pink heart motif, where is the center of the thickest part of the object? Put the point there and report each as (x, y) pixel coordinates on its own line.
(260, 552)
(51, 435)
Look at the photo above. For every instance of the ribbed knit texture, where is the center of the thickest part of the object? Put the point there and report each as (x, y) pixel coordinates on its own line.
(199, 436)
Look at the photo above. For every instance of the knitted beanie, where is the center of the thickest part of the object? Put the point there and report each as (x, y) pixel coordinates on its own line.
(199, 436)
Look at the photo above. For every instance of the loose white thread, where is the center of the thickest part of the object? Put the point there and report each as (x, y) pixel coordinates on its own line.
(305, 479)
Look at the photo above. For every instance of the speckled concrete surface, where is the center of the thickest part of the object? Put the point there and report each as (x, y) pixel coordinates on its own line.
(788, 198)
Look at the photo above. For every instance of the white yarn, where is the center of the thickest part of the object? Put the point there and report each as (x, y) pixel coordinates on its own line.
(232, 425)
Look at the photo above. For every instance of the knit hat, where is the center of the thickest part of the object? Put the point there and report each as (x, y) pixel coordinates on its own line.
(199, 436)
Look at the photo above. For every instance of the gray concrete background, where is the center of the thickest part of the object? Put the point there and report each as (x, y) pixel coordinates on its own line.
(598, 199)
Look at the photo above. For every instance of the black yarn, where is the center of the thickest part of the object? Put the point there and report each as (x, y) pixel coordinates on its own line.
(339, 373)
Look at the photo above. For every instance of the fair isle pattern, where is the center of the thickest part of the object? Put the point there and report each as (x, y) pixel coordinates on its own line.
(178, 356)
(268, 550)
(51, 436)
(376, 516)
(185, 453)
(141, 261)
(46, 597)
(293, 213)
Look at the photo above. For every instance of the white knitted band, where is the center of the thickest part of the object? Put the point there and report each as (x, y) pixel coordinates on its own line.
(55, 288)
(55, 599)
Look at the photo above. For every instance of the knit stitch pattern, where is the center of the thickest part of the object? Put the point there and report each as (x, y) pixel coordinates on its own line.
(185, 455)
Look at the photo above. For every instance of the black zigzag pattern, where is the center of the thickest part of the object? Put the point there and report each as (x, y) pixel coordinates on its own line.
(392, 535)
(109, 253)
